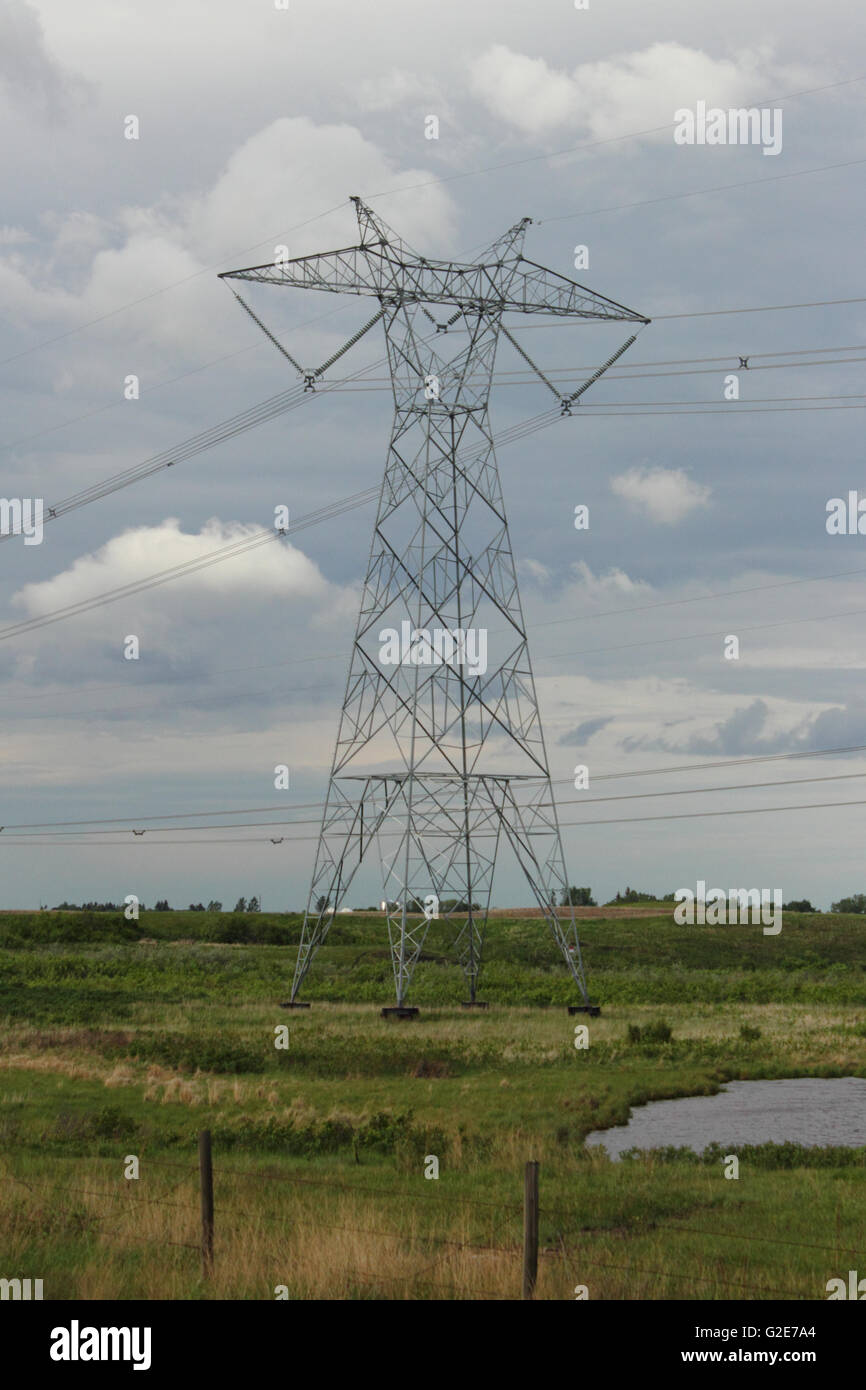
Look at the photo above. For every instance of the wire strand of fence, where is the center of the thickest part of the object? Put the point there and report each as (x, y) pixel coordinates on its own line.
(118, 1194)
(227, 1171)
(769, 1240)
(584, 1231)
(148, 1240)
(408, 1237)
(689, 1278)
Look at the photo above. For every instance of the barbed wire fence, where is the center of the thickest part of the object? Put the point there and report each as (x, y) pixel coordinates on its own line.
(525, 1254)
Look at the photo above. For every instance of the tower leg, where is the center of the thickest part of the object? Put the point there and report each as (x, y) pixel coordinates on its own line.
(533, 832)
(344, 840)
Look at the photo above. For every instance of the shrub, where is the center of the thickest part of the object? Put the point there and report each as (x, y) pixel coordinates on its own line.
(656, 1032)
(109, 1122)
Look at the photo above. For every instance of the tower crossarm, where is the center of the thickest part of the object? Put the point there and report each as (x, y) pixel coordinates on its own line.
(537, 290)
(346, 271)
(480, 287)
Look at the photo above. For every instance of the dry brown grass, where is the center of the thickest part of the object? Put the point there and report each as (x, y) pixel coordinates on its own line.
(143, 1239)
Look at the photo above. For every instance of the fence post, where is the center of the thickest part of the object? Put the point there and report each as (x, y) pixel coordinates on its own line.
(530, 1228)
(205, 1168)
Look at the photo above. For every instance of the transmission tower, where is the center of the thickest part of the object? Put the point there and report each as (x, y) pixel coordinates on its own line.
(440, 752)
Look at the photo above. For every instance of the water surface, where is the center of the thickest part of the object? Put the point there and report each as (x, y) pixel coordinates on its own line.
(805, 1110)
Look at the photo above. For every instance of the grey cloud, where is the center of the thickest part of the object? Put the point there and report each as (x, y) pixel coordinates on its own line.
(742, 734)
(27, 69)
(584, 732)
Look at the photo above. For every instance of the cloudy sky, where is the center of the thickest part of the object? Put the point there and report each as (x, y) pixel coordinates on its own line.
(255, 125)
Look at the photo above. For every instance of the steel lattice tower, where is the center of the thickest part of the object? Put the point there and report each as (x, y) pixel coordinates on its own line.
(437, 758)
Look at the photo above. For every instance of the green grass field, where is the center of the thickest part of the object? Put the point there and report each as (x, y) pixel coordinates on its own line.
(121, 1039)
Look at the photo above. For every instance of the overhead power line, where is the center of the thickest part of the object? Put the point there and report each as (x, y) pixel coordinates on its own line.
(364, 498)
(296, 396)
(163, 289)
(695, 636)
(596, 144)
(254, 415)
(188, 567)
(133, 827)
(719, 313)
(560, 378)
(181, 571)
(629, 371)
(508, 436)
(698, 192)
(625, 371)
(370, 495)
(744, 409)
(703, 791)
(302, 839)
(242, 546)
(760, 309)
(739, 811)
(147, 391)
(268, 409)
(718, 765)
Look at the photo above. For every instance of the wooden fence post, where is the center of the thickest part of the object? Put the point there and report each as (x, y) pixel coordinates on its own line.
(530, 1228)
(205, 1168)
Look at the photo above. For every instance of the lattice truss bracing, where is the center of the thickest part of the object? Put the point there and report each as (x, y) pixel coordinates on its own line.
(440, 753)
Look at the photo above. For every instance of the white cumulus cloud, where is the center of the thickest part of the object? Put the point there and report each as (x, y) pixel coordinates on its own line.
(275, 570)
(284, 174)
(667, 495)
(627, 92)
(615, 583)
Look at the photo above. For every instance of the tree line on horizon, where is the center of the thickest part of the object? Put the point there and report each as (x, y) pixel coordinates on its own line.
(161, 905)
(582, 897)
(571, 897)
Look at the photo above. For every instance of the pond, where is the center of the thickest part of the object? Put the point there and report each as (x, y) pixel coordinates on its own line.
(805, 1110)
